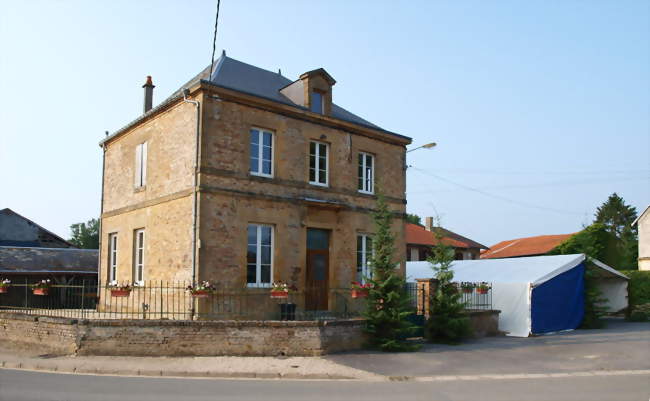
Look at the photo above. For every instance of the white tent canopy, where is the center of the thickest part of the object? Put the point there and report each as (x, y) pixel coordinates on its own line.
(514, 279)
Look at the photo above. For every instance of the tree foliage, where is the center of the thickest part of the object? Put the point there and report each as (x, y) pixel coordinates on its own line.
(85, 235)
(388, 303)
(413, 219)
(617, 218)
(448, 323)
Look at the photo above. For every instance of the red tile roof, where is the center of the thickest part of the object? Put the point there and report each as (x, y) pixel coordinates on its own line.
(530, 246)
(418, 235)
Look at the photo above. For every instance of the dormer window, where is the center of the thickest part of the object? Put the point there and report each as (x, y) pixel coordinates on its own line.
(317, 102)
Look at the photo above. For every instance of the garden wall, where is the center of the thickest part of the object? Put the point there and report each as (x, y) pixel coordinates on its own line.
(181, 338)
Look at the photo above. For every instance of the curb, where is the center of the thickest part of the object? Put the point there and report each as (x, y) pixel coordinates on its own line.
(169, 374)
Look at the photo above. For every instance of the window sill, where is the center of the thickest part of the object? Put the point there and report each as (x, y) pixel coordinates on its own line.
(318, 184)
(140, 189)
(365, 192)
(268, 176)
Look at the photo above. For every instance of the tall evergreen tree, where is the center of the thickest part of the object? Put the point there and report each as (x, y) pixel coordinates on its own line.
(617, 217)
(447, 321)
(388, 302)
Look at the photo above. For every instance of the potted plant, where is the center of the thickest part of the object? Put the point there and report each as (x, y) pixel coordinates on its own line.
(41, 287)
(280, 290)
(4, 286)
(120, 290)
(467, 287)
(483, 288)
(360, 290)
(201, 290)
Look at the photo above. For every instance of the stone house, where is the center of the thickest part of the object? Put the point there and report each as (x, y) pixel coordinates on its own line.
(419, 240)
(642, 223)
(244, 177)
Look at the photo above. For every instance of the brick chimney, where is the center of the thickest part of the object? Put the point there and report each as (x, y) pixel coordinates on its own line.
(428, 223)
(148, 94)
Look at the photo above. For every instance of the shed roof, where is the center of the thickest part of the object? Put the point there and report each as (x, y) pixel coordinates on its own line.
(533, 269)
(530, 246)
(21, 260)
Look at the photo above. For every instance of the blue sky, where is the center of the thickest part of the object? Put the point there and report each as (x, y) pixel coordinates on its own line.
(540, 109)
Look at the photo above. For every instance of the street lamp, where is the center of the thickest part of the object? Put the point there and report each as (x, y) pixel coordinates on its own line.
(426, 146)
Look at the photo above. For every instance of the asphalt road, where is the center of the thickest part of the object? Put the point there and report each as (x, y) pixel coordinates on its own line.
(18, 385)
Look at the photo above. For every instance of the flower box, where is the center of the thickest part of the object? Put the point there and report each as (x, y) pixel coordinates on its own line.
(482, 290)
(359, 293)
(120, 293)
(468, 290)
(41, 291)
(4, 290)
(200, 294)
(280, 294)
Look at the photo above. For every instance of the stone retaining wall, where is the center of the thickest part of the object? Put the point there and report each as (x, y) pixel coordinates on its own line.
(181, 338)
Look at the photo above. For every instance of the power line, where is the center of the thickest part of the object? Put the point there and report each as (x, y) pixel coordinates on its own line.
(214, 39)
(499, 197)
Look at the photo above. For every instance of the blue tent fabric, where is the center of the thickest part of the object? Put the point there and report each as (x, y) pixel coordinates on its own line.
(558, 304)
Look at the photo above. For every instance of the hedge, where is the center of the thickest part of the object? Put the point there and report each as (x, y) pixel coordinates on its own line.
(638, 294)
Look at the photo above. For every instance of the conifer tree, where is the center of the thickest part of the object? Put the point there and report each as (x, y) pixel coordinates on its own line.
(388, 303)
(447, 322)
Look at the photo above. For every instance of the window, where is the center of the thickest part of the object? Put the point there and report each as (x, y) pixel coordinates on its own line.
(138, 273)
(141, 165)
(366, 173)
(259, 257)
(364, 255)
(112, 257)
(318, 163)
(317, 102)
(261, 150)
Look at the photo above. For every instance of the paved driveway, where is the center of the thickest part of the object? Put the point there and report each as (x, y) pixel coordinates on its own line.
(620, 346)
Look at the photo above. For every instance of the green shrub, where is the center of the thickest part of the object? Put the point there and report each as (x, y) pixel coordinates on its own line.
(638, 291)
(640, 313)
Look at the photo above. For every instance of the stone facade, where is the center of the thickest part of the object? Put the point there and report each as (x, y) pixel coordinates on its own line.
(180, 338)
(229, 197)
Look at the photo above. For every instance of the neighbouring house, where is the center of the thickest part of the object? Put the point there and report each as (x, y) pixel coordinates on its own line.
(17, 230)
(643, 225)
(419, 241)
(245, 177)
(537, 294)
(530, 246)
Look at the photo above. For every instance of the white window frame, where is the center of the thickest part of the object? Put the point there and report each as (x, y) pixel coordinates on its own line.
(138, 264)
(140, 173)
(364, 189)
(258, 261)
(366, 270)
(317, 165)
(260, 152)
(112, 257)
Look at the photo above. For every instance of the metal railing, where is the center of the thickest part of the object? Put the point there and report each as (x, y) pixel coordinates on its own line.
(171, 300)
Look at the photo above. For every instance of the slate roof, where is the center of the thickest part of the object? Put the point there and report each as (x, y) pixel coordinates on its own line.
(21, 260)
(530, 246)
(245, 78)
(418, 235)
(6, 241)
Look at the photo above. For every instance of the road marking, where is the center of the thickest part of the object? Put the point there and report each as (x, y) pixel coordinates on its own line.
(533, 375)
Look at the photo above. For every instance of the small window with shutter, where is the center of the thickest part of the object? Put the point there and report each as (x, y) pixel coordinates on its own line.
(141, 165)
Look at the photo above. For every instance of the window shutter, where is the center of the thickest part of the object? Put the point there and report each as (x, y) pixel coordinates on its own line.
(144, 163)
(138, 164)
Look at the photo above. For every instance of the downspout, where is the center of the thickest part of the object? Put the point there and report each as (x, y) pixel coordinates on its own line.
(101, 212)
(195, 205)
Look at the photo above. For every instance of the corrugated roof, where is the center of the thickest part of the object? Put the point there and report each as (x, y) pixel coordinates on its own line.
(530, 246)
(47, 260)
(418, 235)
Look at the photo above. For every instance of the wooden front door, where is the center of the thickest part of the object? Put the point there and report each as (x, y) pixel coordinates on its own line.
(317, 280)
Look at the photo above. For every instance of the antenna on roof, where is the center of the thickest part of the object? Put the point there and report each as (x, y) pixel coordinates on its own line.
(214, 40)
(279, 71)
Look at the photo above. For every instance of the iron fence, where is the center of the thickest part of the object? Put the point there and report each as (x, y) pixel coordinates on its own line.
(171, 300)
